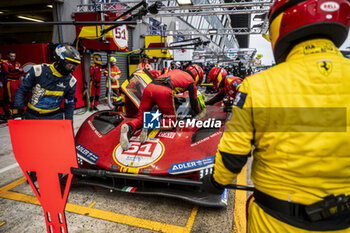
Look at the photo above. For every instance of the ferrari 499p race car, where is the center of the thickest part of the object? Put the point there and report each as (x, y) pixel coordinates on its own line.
(170, 163)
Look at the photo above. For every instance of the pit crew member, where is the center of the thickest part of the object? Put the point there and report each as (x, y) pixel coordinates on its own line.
(12, 72)
(161, 92)
(115, 76)
(95, 81)
(144, 64)
(49, 86)
(227, 86)
(2, 102)
(296, 114)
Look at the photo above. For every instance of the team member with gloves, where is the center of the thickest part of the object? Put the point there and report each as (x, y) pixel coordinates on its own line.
(12, 72)
(49, 86)
(161, 92)
(227, 86)
(301, 134)
(95, 81)
(115, 76)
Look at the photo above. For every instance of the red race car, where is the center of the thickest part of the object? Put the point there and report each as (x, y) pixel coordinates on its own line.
(170, 163)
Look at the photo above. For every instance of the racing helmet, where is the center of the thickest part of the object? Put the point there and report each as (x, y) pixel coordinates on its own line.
(216, 75)
(293, 21)
(175, 65)
(67, 59)
(232, 85)
(196, 72)
(165, 70)
(113, 59)
(97, 59)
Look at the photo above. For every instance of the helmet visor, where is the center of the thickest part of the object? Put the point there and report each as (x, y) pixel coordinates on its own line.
(70, 66)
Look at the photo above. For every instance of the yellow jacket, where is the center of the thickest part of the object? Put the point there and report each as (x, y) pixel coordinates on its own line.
(297, 117)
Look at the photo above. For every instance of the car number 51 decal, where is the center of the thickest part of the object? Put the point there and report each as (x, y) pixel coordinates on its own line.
(139, 155)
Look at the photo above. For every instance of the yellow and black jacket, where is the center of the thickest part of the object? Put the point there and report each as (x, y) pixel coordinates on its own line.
(48, 90)
(296, 116)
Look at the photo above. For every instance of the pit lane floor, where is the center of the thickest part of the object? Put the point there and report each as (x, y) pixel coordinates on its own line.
(99, 210)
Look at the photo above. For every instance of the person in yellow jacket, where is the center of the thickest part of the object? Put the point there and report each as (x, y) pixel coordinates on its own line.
(115, 76)
(296, 116)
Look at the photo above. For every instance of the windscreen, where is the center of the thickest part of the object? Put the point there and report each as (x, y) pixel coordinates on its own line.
(135, 88)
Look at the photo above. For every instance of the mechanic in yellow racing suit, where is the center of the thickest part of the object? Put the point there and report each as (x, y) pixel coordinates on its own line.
(296, 117)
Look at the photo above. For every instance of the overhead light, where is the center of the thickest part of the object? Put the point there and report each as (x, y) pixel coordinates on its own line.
(258, 25)
(49, 6)
(1, 12)
(29, 18)
(184, 2)
(212, 31)
(260, 17)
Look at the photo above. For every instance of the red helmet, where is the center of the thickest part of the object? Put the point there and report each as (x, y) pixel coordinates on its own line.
(197, 73)
(232, 85)
(165, 70)
(292, 21)
(216, 75)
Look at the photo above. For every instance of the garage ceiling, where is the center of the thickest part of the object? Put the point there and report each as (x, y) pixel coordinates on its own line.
(10, 11)
(241, 21)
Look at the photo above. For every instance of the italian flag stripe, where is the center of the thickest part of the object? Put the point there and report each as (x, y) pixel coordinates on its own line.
(129, 189)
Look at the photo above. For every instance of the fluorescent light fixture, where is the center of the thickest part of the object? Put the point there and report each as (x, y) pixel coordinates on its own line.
(29, 18)
(213, 31)
(260, 17)
(184, 2)
(49, 6)
(258, 25)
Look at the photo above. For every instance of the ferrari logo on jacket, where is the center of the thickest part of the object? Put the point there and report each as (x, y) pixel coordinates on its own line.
(325, 67)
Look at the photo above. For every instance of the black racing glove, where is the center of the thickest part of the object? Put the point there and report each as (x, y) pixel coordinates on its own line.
(208, 103)
(211, 186)
(20, 112)
(97, 86)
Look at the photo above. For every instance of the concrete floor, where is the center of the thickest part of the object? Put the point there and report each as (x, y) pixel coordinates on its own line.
(99, 210)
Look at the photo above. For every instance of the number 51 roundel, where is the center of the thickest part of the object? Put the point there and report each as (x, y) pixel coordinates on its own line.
(120, 37)
(139, 155)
